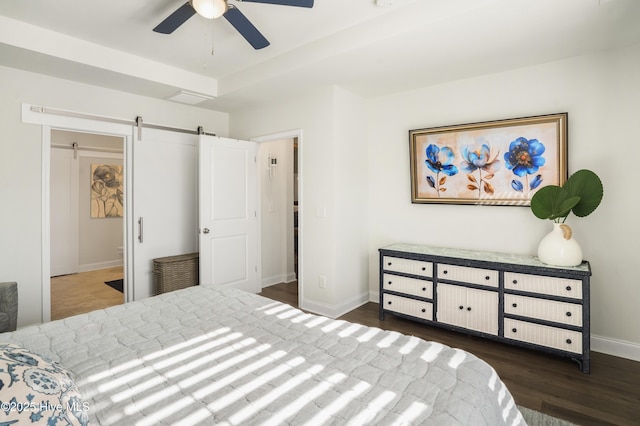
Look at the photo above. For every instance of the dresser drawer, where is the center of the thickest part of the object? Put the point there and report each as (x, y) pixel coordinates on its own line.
(421, 288)
(544, 285)
(548, 310)
(466, 274)
(403, 305)
(408, 266)
(565, 340)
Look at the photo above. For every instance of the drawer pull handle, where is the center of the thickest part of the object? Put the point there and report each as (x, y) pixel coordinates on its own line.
(390, 282)
(389, 302)
(568, 288)
(568, 314)
(469, 309)
(568, 341)
(424, 310)
(424, 289)
(424, 268)
(515, 305)
(445, 272)
(515, 281)
(487, 278)
(515, 330)
(389, 264)
(461, 307)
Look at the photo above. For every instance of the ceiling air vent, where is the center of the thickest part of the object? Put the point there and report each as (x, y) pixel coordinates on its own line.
(189, 98)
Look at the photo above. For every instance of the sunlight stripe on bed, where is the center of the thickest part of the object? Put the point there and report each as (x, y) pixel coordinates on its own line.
(296, 405)
(288, 386)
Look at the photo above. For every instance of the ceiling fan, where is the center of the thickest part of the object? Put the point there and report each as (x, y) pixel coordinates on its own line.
(213, 9)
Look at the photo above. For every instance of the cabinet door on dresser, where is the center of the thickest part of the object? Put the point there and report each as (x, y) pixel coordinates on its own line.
(469, 308)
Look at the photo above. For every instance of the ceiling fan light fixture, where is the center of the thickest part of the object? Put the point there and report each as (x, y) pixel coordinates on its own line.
(210, 9)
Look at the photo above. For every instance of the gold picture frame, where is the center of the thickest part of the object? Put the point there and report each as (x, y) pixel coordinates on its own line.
(500, 162)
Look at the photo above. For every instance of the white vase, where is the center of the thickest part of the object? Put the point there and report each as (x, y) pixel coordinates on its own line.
(558, 247)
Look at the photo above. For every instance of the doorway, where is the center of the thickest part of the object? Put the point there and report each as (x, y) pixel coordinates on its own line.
(86, 222)
(279, 159)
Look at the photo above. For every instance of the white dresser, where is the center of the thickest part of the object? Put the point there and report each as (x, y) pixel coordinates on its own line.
(514, 299)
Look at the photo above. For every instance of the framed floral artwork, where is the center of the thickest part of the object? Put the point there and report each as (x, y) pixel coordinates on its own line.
(107, 196)
(499, 162)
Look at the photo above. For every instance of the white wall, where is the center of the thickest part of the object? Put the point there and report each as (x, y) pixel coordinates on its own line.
(600, 93)
(351, 182)
(325, 184)
(20, 163)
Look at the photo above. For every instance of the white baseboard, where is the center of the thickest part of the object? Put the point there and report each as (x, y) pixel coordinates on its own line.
(277, 279)
(615, 347)
(87, 267)
(334, 311)
(605, 345)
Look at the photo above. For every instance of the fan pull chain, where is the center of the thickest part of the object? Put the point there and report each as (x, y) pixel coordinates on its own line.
(206, 38)
(213, 39)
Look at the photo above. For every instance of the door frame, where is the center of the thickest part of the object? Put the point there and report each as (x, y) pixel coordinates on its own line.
(61, 122)
(290, 134)
(74, 193)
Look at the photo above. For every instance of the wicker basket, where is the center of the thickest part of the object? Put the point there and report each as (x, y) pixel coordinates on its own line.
(175, 272)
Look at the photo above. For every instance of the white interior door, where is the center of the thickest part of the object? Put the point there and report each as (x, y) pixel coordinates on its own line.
(228, 213)
(165, 206)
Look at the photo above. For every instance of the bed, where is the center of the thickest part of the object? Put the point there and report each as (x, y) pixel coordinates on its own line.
(206, 355)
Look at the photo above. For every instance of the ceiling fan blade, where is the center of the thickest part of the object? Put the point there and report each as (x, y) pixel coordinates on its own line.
(299, 3)
(245, 28)
(177, 18)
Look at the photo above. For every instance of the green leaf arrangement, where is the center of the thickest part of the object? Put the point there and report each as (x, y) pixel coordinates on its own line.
(581, 194)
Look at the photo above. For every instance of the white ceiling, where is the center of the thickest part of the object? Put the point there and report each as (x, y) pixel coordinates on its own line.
(368, 49)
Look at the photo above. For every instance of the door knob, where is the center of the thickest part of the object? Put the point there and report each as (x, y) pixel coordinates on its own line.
(205, 231)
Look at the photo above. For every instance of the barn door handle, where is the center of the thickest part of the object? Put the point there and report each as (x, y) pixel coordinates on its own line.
(140, 229)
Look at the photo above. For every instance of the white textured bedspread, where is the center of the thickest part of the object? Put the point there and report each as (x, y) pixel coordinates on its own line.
(221, 356)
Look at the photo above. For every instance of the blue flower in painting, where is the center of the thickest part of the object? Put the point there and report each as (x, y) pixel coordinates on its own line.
(525, 156)
(475, 159)
(478, 157)
(439, 160)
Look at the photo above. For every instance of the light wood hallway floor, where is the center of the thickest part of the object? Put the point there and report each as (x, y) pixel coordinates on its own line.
(84, 292)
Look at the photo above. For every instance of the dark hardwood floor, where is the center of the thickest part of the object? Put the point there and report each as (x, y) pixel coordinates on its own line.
(610, 395)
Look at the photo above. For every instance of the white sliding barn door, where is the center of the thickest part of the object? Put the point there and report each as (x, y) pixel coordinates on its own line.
(165, 206)
(228, 213)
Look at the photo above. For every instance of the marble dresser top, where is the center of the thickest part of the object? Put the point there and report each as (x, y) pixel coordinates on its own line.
(486, 256)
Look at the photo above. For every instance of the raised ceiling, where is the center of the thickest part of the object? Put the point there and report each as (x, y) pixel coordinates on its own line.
(369, 47)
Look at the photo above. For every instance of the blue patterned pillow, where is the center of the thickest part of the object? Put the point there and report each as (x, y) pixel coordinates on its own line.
(34, 390)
